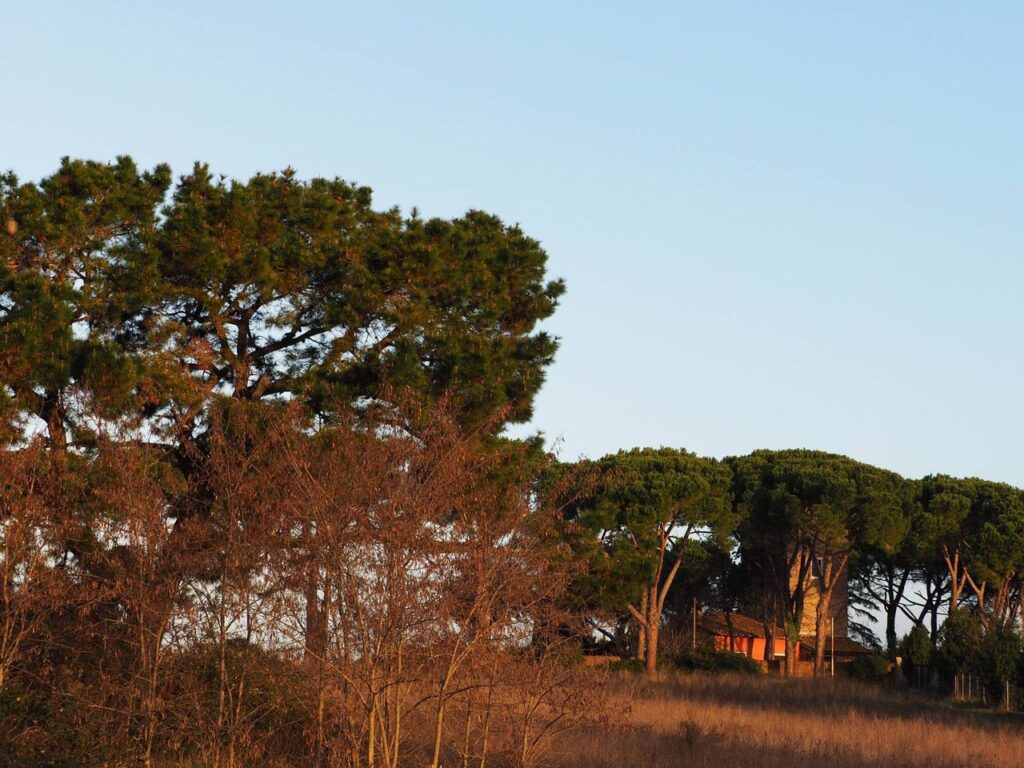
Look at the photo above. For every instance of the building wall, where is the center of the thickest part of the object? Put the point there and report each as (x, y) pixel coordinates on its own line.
(753, 647)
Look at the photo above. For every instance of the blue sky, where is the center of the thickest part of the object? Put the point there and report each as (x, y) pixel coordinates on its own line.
(782, 225)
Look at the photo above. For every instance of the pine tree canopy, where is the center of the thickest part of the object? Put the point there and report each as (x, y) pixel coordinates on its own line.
(124, 300)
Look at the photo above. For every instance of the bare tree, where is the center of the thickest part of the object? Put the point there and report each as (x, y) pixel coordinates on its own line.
(136, 577)
(30, 588)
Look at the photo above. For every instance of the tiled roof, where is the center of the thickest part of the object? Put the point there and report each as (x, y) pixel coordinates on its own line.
(744, 626)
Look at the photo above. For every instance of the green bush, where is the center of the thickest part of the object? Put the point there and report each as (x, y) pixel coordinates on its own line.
(36, 731)
(916, 651)
(959, 643)
(1000, 659)
(635, 666)
(870, 669)
(916, 647)
(709, 660)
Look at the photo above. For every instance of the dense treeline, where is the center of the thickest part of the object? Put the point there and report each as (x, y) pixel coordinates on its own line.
(664, 530)
(256, 509)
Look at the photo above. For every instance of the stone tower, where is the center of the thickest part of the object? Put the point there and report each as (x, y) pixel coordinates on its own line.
(839, 609)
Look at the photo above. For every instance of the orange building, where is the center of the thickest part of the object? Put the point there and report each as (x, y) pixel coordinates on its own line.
(742, 634)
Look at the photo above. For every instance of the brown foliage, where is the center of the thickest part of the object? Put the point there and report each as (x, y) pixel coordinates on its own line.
(356, 595)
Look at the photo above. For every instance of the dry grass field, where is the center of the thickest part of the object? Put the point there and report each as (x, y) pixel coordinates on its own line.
(762, 722)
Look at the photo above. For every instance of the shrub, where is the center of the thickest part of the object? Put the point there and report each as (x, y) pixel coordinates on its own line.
(709, 660)
(959, 643)
(870, 669)
(36, 731)
(999, 659)
(916, 647)
(916, 650)
(635, 666)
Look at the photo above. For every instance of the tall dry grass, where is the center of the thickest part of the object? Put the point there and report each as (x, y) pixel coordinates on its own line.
(739, 721)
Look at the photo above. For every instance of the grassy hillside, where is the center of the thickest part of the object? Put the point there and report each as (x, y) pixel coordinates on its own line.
(761, 722)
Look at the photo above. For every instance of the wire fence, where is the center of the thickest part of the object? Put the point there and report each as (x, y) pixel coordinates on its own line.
(969, 688)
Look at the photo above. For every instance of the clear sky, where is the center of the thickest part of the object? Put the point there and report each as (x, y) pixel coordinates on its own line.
(782, 224)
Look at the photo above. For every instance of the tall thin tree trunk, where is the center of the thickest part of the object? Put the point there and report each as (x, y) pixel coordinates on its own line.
(396, 738)
(821, 630)
(892, 610)
(466, 735)
(653, 620)
(318, 748)
(890, 631)
(792, 628)
(435, 760)
(222, 677)
(371, 737)
(640, 619)
(485, 738)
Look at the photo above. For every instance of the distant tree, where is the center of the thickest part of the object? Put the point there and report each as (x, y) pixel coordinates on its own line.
(807, 510)
(977, 528)
(710, 577)
(645, 506)
(947, 504)
(930, 577)
(881, 576)
(929, 600)
(997, 555)
(862, 605)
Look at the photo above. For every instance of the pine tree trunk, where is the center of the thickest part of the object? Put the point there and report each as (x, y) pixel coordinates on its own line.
(890, 631)
(821, 631)
(792, 628)
(640, 648)
(653, 620)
